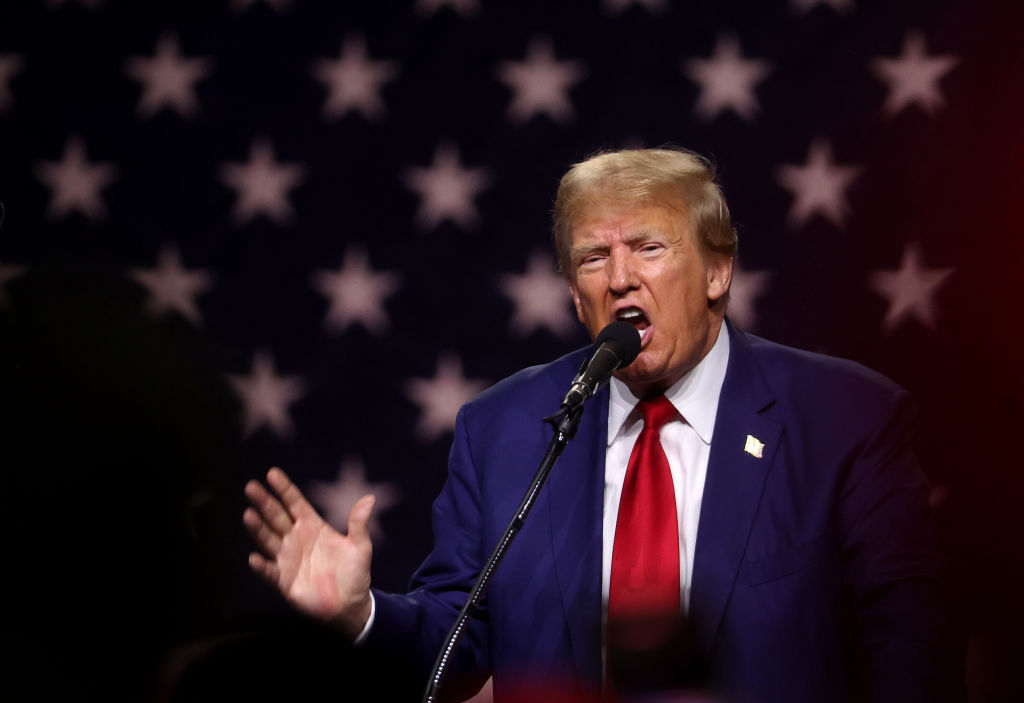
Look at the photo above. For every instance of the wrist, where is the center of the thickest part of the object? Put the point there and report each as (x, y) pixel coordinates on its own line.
(354, 621)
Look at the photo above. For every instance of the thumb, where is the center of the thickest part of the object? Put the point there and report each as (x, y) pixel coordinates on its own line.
(359, 518)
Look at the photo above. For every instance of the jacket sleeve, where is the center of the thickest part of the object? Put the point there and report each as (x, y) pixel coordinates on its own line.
(412, 627)
(892, 568)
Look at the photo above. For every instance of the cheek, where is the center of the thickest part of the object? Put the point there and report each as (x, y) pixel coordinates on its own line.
(579, 309)
(587, 299)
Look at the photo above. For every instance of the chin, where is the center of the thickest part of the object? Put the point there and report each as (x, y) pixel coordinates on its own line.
(638, 376)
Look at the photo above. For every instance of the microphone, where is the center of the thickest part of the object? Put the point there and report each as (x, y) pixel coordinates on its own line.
(616, 346)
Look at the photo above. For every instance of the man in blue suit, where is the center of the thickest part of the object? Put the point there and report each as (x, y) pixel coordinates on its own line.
(801, 565)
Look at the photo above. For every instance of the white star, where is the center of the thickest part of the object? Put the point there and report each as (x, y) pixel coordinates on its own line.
(746, 288)
(818, 187)
(467, 8)
(168, 79)
(446, 189)
(172, 288)
(541, 83)
(913, 77)
(266, 396)
(441, 397)
(10, 66)
(357, 293)
(279, 5)
(76, 183)
(805, 6)
(262, 185)
(540, 298)
(354, 81)
(726, 80)
(8, 272)
(910, 290)
(617, 7)
(335, 499)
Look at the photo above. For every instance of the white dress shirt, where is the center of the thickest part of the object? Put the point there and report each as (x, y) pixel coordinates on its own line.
(687, 444)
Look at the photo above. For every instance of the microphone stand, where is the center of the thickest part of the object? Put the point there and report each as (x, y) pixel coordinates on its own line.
(565, 421)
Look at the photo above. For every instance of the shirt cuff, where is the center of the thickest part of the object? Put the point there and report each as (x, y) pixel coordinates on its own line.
(369, 622)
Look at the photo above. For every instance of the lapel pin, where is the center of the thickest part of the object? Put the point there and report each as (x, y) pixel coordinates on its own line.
(754, 446)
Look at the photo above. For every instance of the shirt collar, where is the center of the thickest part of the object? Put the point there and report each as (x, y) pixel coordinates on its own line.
(695, 395)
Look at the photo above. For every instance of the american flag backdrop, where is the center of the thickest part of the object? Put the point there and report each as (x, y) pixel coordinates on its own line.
(244, 233)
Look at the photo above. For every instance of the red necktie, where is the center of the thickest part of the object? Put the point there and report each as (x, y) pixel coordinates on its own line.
(645, 557)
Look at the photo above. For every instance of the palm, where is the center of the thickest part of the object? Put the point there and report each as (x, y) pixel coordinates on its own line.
(319, 570)
(319, 566)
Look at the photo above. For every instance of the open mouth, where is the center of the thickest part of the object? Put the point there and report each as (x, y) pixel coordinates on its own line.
(636, 317)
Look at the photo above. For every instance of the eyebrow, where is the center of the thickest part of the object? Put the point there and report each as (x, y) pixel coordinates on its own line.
(585, 250)
(644, 234)
(640, 235)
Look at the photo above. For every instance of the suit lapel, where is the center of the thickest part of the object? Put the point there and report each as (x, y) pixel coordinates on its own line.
(732, 492)
(733, 487)
(576, 492)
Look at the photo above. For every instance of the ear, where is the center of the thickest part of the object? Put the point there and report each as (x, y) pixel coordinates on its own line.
(576, 300)
(719, 272)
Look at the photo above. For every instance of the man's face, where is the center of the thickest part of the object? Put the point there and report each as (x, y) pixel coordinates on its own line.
(640, 263)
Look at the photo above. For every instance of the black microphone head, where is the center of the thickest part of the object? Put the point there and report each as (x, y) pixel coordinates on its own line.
(624, 338)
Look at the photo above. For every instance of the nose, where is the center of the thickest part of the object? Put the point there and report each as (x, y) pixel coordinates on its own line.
(621, 274)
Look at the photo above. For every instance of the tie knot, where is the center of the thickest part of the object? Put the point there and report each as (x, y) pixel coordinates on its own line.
(656, 411)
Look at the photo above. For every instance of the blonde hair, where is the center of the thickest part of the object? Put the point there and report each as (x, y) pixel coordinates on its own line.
(643, 175)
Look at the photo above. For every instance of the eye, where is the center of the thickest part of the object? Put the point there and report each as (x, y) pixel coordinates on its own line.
(651, 248)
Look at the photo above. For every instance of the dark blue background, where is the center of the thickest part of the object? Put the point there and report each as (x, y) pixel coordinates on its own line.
(121, 445)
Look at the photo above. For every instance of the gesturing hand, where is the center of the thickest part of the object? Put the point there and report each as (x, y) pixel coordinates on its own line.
(317, 569)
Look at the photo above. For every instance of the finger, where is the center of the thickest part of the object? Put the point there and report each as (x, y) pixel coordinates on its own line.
(294, 502)
(270, 508)
(266, 569)
(359, 519)
(261, 533)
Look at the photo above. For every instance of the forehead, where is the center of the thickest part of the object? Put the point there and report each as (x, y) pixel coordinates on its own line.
(605, 218)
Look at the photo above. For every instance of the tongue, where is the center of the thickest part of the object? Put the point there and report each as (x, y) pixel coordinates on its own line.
(639, 321)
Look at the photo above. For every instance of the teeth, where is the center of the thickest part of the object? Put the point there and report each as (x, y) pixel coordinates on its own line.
(626, 314)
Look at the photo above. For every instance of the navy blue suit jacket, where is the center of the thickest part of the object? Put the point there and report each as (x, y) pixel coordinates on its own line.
(814, 572)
